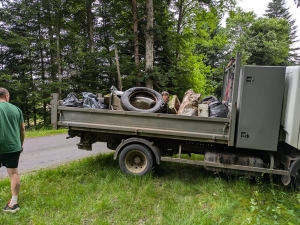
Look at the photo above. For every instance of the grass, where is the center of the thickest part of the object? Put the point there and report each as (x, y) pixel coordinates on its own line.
(94, 191)
(44, 132)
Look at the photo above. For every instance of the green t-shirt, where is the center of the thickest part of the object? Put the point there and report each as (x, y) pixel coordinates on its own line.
(11, 118)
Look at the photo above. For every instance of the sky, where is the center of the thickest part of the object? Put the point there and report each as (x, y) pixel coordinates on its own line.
(259, 7)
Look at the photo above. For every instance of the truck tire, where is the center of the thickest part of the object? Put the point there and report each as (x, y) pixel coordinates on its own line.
(144, 92)
(136, 159)
(297, 183)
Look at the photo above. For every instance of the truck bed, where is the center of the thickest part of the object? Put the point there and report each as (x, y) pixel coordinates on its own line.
(158, 125)
(171, 126)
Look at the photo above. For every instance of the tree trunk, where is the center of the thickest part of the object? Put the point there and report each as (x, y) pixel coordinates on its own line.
(58, 57)
(149, 42)
(51, 43)
(179, 23)
(136, 42)
(118, 69)
(33, 103)
(89, 17)
(58, 16)
(42, 76)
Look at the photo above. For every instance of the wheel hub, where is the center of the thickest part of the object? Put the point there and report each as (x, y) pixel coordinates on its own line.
(137, 160)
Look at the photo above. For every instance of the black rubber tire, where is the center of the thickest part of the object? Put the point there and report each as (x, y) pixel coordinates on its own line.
(136, 159)
(297, 183)
(141, 91)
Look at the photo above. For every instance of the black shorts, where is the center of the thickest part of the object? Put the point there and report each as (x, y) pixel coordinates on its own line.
(10, 160)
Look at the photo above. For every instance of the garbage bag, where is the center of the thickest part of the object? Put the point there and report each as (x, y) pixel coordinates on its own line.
(217, 109)
(114, 90)
(90, 100)
(209, 99)
(72, 101)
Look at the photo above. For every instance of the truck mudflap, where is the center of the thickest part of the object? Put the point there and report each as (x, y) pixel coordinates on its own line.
(142, 141)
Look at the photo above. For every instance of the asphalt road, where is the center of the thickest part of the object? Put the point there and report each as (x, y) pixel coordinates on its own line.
(51, 151)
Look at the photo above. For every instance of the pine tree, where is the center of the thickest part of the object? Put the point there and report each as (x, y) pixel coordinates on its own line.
(277, 9)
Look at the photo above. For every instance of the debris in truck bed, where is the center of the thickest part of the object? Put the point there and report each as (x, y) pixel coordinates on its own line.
(189, 105)
(72, 101)
(217, 109)
(90, 100)
(174, 104)
(203, 110)
(209, 99)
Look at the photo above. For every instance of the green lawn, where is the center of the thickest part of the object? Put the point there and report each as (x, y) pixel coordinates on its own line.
(44, 132)
(94, 191)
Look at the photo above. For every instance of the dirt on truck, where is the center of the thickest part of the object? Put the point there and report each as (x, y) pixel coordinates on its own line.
(260, 132)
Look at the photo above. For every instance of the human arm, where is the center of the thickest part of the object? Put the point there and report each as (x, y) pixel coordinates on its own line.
(22, 134)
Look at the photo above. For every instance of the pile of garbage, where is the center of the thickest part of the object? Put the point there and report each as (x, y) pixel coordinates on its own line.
(142, 99)
(90, 100)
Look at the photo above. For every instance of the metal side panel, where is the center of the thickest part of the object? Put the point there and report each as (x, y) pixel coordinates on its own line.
(149, 124)
(233, 111)
(291, 110)
(259, 107)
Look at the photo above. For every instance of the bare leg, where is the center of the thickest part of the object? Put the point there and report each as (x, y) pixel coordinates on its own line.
(14, 181)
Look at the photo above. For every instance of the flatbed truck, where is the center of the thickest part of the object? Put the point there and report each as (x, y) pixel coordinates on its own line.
(261, 133)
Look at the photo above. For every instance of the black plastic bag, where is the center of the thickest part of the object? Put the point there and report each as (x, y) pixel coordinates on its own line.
(217, 109)
(90, 100)
(209, 99)
(71, 101)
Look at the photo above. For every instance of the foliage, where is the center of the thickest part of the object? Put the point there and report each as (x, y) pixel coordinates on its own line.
(63, 46)
(277, 9)
(269, 42)
(263, 41)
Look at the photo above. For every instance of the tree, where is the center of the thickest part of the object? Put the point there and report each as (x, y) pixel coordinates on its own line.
(263, 41)
(48, 46)
(277, 9)
(136, 41)
(237, 31)
(269, 42)
(149, 42)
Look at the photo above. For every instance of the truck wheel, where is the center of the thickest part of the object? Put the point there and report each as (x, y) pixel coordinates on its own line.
(297, 183)
(136, 159)
(134, 92)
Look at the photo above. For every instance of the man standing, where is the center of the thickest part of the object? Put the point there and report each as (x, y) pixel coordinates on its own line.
(12, 134)
(164, 107)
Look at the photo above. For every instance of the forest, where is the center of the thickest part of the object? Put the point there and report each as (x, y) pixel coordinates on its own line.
(62, 46)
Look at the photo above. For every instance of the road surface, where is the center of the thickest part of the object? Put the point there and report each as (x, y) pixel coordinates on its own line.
(50, 151)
